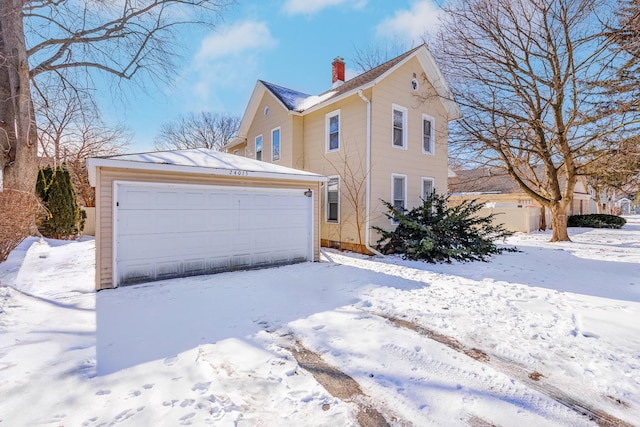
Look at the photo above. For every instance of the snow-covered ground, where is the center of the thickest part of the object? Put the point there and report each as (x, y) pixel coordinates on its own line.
(551, 328)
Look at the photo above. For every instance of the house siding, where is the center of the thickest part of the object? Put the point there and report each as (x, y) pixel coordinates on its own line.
(105, 178)
(353, 127)
(263, 125)
(412, 162)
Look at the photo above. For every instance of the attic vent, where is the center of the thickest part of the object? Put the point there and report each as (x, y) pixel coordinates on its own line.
(266, 110)
(414, 84)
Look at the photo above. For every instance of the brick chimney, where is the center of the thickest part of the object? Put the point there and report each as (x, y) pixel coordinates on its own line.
(337, 71)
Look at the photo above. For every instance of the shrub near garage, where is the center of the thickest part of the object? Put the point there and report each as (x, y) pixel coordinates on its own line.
(435, 232)
(596, 221)
(19, 212)
(56, 191)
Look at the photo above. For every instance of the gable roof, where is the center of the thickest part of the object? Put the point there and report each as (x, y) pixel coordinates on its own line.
(296, 102)
(198, 161)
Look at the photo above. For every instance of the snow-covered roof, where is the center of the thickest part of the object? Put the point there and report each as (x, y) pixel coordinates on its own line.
(200, 161)
(292, 99)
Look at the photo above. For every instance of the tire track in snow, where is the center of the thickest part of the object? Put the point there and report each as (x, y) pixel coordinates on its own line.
(530, 379)
(339, 385)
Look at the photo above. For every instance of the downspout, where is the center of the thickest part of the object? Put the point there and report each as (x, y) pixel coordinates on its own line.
(368, 182)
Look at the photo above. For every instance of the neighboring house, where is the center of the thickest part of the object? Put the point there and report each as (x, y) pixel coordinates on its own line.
(379, 136)
(501, 195)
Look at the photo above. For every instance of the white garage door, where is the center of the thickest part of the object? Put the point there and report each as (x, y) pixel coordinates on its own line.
(164, 231)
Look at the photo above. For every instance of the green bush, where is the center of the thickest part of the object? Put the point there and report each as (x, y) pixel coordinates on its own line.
(56, 191)
(596, 221)
(435, 232)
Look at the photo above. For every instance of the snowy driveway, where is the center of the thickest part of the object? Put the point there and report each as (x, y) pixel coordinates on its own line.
(214, 349)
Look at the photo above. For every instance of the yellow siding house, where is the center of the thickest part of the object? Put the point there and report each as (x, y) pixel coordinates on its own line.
(381, 135)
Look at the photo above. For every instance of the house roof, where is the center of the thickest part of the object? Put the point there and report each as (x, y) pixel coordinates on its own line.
(199, 161)
(494, 181)
(482, 180)
(300, 103)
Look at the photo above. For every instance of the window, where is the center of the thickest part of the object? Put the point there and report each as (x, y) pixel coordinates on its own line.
(427, 188)
(236, 152)
(275, 144)
(399, 193)
(333, 130)
(333, 199)
(259, 147)
(399, 127)
(427, 134)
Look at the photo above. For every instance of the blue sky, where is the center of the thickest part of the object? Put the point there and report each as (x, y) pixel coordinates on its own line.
(287, 42)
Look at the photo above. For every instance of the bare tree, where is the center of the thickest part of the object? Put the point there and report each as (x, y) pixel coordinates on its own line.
(204, 130)
(521, 71)
(350, 167)
(70, 40)
(621, 88)
(618, 171)
(368, 57)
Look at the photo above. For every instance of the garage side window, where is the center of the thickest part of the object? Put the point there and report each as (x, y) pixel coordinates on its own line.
(275, 144)
(398, 193)
(333, 199)
(259, 147)
(333, 131)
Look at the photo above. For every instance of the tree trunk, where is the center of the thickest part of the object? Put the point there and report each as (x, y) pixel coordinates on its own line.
(559, 221)
(598, 197)
(19, 140)
(543, 219)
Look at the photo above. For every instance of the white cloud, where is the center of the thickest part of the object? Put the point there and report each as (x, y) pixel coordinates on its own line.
(412, 24)
(236, 39)
(306, 7)
(225, 67)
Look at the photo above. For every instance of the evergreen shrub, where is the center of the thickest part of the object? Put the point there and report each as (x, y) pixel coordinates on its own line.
(436, 233)
(596, 221)
(56, 191)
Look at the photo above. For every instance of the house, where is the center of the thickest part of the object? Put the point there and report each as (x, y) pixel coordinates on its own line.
(381, 135)
(179, 213)
(501, 195)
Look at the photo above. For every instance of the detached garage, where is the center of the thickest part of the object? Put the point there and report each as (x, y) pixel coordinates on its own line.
(180, 213)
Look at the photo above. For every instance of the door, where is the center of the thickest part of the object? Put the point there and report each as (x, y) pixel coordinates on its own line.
(170, 230)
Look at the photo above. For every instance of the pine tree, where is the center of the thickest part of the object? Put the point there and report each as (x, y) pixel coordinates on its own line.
(56, 191)
(434, 232)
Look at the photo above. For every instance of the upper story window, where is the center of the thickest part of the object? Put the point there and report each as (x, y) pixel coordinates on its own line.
(275, 144)
(399, 193)
(428, 137)
(333, 130)
(399, 123)
(333, 199)
(259, 147)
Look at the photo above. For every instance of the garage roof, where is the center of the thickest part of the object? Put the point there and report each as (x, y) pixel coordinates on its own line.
(199, 161)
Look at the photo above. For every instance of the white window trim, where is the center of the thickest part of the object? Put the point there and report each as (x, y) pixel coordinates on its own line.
(405, 127)
(326, 198)
(433, 185)
(327, 133)
(273, 159)
(393, 177)
(433, 134)
(255, 146)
